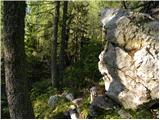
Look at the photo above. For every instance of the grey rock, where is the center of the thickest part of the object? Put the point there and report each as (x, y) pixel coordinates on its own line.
(101, 102)
(93, 90)
(129, 64)
(53, 101)
(104, 102)
(69, 97)
(93, 93)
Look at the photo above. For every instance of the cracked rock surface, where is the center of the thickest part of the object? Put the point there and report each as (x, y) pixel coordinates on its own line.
(129, 63)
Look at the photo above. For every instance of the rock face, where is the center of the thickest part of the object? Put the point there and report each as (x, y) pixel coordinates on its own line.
(129, 61)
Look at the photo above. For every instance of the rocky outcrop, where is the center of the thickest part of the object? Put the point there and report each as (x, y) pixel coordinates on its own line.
(129, 61)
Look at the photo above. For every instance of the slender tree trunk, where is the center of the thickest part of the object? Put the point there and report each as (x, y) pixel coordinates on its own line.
(63, 40)
(123, 4)
(67, 56)
(54, 72)
(15, 75)
(148, 6)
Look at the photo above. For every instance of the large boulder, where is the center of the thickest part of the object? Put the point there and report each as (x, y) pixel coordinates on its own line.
(129, 61)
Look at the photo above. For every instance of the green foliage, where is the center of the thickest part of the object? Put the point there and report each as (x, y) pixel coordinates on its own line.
(141, 113)
(78, 28)
(111, 114)
(85, 106)
(83, 48)
(40, 106)
(41, 87)
(109, 4)
(85, 71)
(62, 106)
(5, 113)
(40, 95)
(38, 29)
(43, 111)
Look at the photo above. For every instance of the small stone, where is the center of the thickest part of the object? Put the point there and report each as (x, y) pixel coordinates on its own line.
(69, 97)
(52, 101)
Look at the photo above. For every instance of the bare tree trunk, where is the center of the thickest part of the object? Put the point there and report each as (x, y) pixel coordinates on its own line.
(123, 4)
(54, 72)
(15, 74)
(63, 40)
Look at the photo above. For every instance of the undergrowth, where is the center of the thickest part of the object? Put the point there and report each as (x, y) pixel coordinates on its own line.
(43, 111)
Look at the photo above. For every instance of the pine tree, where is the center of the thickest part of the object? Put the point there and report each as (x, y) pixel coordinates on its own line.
(54, 67)
(15, 75)
(63, 40)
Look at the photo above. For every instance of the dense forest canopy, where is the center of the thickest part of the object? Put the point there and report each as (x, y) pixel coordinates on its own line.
(60, 45)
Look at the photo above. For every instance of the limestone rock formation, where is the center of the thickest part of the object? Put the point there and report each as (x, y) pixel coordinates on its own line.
(129, 61)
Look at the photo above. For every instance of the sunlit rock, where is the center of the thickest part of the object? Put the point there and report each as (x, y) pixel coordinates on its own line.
(129, 61)
(69, 97)
(93, 93)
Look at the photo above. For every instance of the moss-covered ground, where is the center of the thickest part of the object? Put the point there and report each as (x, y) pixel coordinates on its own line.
(40, 95)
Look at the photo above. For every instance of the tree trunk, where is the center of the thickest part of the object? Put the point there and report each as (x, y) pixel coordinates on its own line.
(123, 4)
(63, 40)
(54, 72)
(14, 55)
(67, 56)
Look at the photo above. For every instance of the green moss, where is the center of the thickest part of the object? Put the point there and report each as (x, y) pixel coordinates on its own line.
(111, 114)
(43, 111)
(57, 113)
(84, 107)
(141, 113)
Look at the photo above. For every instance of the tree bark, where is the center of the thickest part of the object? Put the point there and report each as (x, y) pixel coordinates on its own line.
(54, 72)
(63, 40)
(15, 75)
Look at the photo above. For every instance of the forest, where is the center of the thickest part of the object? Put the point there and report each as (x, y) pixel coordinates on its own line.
(65, 59)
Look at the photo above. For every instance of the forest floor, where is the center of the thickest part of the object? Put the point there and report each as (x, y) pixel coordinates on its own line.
(42, 90)
(79, 78)
(41, 94)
